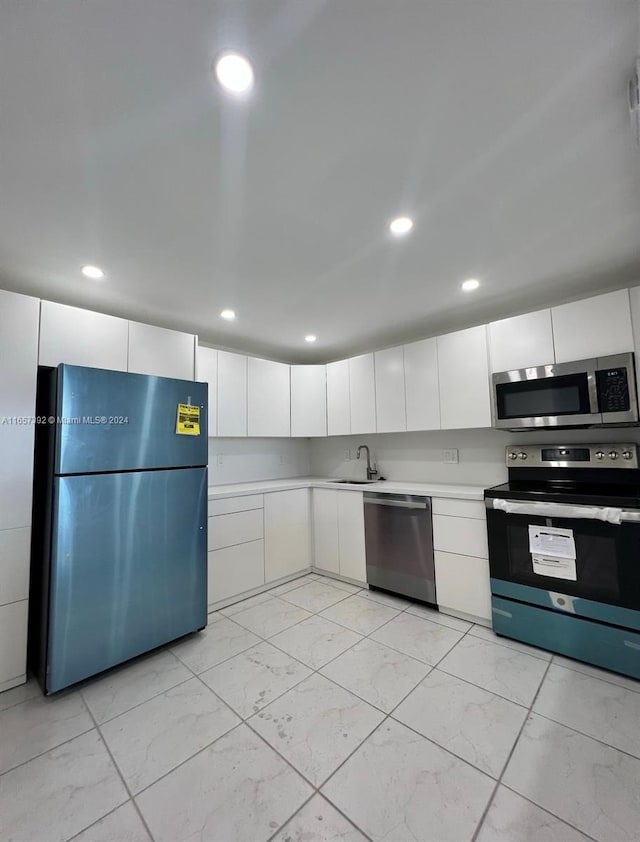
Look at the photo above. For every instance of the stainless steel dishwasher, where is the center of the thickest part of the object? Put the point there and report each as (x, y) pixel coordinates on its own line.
(399, 544)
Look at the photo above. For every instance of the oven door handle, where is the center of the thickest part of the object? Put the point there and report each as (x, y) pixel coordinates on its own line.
(609, 514)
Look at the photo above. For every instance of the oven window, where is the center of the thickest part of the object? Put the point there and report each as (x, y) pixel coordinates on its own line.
(597, 564)
(565, 395)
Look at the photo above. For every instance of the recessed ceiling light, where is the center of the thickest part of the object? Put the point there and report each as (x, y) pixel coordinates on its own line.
(310, 338)
(235, 73)
(470, 284)
(93, 272)
(229, 315)
(400, 226)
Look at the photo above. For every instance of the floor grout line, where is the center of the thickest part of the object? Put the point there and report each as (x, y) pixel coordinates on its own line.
(46, 751)
(510, 755)
(118, 771)
(313, 671)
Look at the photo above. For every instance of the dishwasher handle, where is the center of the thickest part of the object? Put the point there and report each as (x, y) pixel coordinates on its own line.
(386, 500)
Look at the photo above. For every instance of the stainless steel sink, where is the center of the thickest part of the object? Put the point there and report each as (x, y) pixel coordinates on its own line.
(353, 481)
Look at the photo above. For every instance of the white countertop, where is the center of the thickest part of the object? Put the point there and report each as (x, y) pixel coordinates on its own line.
(426, 489)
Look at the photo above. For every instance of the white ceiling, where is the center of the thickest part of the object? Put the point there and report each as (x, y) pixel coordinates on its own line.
(501, 126)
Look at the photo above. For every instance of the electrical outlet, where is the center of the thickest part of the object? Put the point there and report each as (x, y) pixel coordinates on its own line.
(220, 460)
(347, 454)
(450, 456)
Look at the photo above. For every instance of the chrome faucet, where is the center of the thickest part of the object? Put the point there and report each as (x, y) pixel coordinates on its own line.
(372, 473)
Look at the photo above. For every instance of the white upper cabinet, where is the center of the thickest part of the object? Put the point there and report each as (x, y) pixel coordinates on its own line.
(463, 373)
(593, 327)
(161, 352)
(634, 296)
(521, 342)
(232, 394)
(81, 337)
(390, 393)
(18, 369)
(421, 385)
(207, 372)
(362, 394)
(338, 401)
(268, 391)
(308, 400)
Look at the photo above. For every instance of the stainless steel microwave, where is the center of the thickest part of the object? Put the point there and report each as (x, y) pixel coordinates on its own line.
(588, 393)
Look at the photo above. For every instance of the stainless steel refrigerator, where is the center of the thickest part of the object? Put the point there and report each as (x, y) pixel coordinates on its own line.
(119, 553)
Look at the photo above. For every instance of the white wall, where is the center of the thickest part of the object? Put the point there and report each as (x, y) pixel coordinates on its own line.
(417, 457)
(248, 459)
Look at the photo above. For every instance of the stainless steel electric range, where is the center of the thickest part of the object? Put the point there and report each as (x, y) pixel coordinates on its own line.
(564, 552)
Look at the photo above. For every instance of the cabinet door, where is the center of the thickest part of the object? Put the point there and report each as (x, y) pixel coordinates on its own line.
(207, 372)
(161, 352)
(232, 394)
(308, 400)
(268, 401)
(325, 530)
(13, 643)
(463, 373)
(462, 584)
(593, 327)
(338, 403)
(15, 553)
(287, 546)
(421, 384)
(634, 296)
(351, 535)
(391, 415)
(234, 570)
(19, 316)
(362, 394)
(81, 337)
(521, 342)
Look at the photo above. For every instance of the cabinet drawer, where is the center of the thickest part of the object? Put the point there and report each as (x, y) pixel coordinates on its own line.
(460, 535)
(236, 528)
(462, 584)
(225, 505)
(234, 570)
(458, 508)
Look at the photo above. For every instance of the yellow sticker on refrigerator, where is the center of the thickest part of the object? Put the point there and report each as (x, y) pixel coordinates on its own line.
(188, 420)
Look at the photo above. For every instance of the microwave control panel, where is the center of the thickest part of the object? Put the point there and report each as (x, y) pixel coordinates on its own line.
(613, 390)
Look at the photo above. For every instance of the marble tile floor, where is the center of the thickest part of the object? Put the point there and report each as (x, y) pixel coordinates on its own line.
(319, 712)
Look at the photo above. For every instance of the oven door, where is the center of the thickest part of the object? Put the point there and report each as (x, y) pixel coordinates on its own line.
(548, 396)
(607, 568)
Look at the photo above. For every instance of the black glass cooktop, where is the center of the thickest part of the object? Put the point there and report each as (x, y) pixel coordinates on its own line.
(585, 494)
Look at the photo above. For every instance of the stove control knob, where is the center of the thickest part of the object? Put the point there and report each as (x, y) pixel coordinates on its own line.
(627, 454)
(523, 455)
(613, 454)
(600, 454)
(513, 455)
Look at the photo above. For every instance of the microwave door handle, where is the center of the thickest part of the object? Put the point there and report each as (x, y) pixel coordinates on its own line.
(608, 514)
(592, 386)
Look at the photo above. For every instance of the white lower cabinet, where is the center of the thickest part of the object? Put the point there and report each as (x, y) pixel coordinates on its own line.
(461, 559)
(234, 570)
(326, 550)
(338, 530)
(13, 644)
(287, 544)
(236, 547)
(462, 584)
(15, 549)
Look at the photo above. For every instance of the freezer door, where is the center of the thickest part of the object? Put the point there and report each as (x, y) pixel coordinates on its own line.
(114, 421)
(128, 568)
